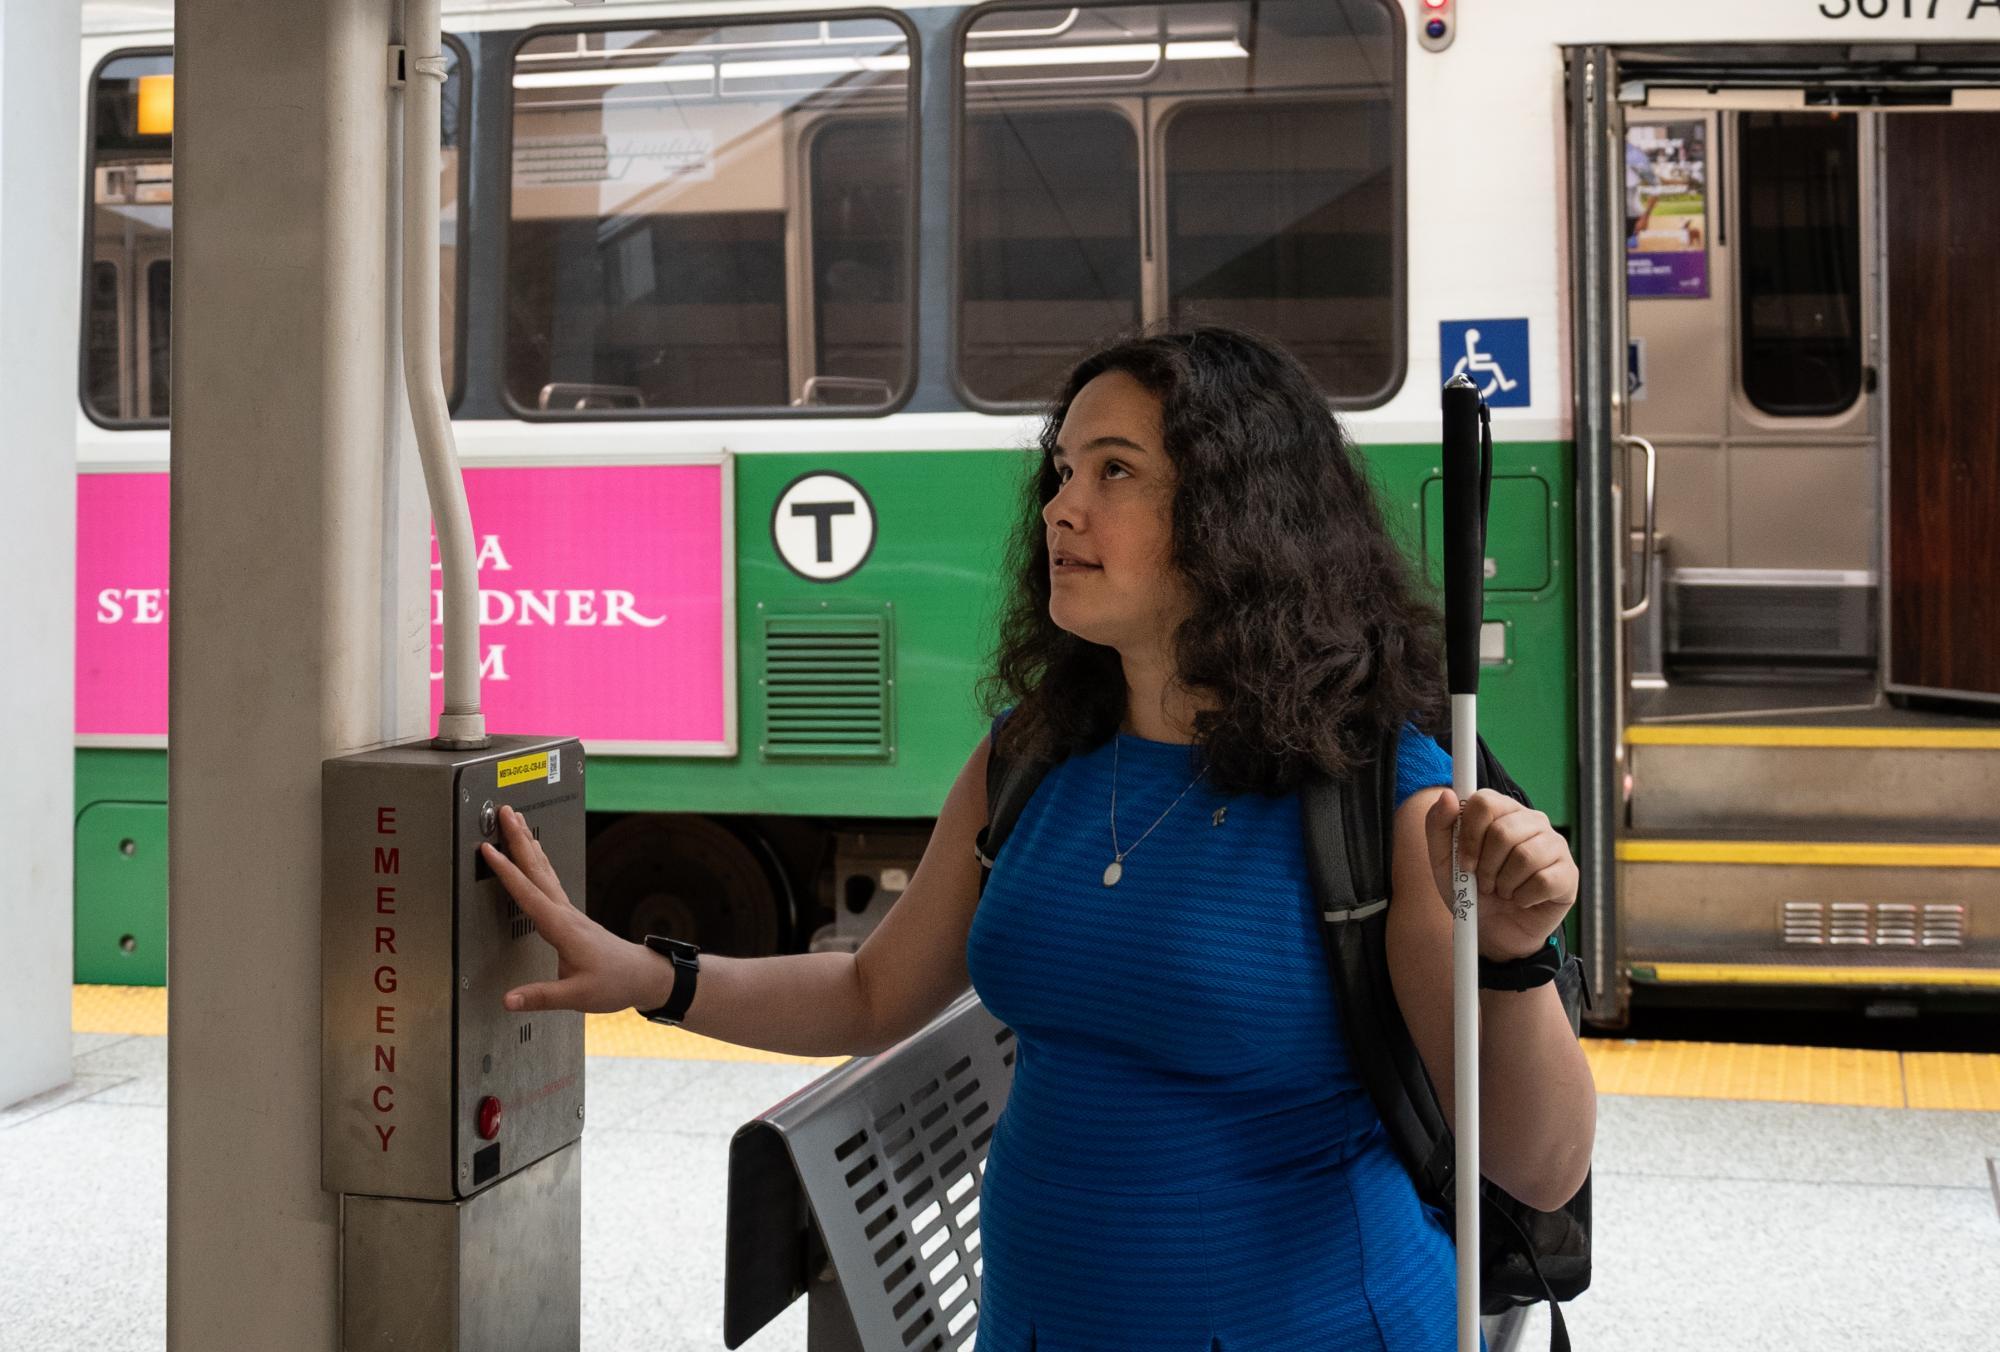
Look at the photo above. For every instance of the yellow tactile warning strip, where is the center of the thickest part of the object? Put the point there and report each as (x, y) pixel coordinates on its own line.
(1776, 974)
(143, 1010)
(1963, 1081)
(1828, 853)
(118, 1009)
(1746, 1072)
(629, 1035)
(1697, 734)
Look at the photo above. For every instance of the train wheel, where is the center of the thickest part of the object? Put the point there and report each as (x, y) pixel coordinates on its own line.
(685, 877)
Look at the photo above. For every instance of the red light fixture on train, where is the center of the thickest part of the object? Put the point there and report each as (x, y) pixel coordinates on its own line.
(1436, 25)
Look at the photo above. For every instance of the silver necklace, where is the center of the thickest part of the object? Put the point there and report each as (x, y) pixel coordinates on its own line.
(1117, 867)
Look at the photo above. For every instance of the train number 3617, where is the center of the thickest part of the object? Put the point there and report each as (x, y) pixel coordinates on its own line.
(1905, 9)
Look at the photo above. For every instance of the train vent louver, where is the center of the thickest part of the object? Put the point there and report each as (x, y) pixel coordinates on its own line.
(1877, 924)
(828, 687)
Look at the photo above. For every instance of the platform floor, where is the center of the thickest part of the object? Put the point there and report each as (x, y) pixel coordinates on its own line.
(1721, 1222)
(1798, 699)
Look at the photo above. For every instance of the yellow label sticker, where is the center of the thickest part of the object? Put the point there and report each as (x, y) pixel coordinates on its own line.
(521, 769)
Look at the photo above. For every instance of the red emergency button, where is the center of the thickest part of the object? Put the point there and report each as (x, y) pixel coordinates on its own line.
(489, 1118)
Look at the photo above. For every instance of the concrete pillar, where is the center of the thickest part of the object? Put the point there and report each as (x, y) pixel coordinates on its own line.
(40, 243)
(298, 626)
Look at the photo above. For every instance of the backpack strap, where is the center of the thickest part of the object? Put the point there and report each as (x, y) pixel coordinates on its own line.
(1348, 844)
(1009, 785)
(1494, 1212)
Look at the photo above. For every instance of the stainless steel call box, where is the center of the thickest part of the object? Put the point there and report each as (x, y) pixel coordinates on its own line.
(430, 1088)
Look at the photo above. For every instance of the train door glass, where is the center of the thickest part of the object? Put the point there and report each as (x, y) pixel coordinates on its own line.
(665, 251)
(1234, 162)
(1799, 180)
(130, 230)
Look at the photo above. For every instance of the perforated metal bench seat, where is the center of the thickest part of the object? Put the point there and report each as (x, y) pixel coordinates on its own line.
(861, 1192)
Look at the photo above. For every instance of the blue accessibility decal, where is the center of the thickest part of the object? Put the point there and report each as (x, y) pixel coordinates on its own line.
(1493, 352)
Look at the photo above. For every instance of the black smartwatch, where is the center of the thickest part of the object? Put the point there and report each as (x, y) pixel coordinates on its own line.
(686, 959)
(1521, 974)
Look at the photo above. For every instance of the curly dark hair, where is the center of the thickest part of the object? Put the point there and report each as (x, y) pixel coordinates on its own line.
(1310, 628)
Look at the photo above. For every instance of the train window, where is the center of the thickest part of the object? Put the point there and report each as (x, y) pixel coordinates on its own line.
(1234, 162)
(128, 318)
(131, 220)
(159, 311)
(1048, 245)
(859, 173)
(1800, 258)
(452, 166)
(1278, 220)
(711, 217)
(104, 336)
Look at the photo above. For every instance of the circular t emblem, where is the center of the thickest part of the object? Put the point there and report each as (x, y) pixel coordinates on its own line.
(823, 526)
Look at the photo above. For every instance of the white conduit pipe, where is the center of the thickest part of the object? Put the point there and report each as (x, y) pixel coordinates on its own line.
(461, 726)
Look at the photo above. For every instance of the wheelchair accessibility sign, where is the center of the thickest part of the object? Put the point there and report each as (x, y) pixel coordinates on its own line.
(1493, 352)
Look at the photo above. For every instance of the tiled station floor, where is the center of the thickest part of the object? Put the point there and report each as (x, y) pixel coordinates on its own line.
(1728, 1215)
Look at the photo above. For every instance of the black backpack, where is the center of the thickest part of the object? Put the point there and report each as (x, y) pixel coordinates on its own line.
(1526, 1255)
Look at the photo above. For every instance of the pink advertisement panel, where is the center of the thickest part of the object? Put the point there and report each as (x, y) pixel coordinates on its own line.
(601, 594)
(121, 606)
(603, 605)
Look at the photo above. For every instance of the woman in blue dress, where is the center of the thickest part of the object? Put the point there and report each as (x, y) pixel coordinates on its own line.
(1205, 608)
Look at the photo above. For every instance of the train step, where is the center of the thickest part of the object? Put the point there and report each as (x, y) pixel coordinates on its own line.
(1803, 903)
(1814, 782)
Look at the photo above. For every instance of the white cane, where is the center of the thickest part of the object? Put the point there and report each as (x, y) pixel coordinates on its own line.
(1467, 479)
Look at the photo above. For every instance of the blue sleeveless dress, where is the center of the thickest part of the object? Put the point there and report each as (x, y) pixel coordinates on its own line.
(1187, 1161)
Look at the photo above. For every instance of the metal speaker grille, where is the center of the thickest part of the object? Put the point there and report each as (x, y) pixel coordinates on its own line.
(1874, 924)
(889, 1153)
(519, 923)
(827, 686)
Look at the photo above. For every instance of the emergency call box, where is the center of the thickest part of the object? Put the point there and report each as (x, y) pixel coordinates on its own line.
(430, 1088)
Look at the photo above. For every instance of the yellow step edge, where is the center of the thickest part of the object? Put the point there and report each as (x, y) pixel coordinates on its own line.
(1787, 974)
(1841, 854)
(1904, 739)
(142, 1011)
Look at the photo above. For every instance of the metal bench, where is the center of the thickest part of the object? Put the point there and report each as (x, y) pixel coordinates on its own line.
(861, 1192)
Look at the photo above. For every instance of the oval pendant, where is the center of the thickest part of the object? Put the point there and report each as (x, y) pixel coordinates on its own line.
(1114, 873)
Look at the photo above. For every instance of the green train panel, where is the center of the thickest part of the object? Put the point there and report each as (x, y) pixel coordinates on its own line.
(910, 632)
(121, 889)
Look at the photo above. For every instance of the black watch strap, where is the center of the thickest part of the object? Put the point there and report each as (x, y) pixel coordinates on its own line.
(1522, 974)
(686, 958)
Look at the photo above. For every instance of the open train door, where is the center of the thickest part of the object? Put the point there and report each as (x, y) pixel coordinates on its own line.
(1597, 325)
(1756, 823)
(1942, 613)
